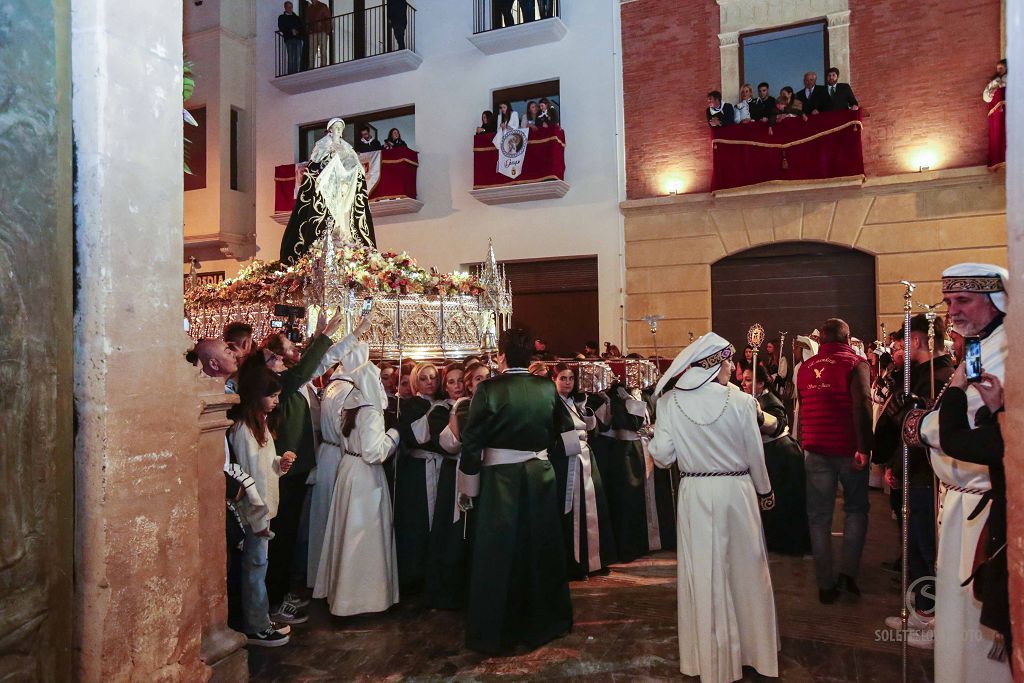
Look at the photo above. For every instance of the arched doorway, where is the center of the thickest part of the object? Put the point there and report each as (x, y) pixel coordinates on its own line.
(793, 286)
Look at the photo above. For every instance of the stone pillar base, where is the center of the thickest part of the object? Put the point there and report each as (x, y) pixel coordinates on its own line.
(223, 650)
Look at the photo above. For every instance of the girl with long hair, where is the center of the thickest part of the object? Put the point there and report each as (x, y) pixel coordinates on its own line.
(251, 446)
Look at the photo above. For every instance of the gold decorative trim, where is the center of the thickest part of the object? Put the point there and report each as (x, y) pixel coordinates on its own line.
(808, 181)
(1001, 104)
(400, 161)
(292, 177)
(390, 196)
(997, 167)
(714, 359)
(528, 143)
(517, 182)
(786, 145)
(979, 284)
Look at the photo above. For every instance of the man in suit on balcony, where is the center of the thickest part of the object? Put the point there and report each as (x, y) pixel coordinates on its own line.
(812, 96)
(840, 95)
(719, 113)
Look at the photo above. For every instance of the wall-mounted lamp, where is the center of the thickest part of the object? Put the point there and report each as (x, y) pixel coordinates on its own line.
(924, 159)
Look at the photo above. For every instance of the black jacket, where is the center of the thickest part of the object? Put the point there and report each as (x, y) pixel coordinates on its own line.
(727, 116)
(371, 146)
(841, 99)
(286, 23)
(818, 99)
(763, 109)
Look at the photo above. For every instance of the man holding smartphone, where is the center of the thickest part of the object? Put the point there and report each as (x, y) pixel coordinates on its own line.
(976, 296)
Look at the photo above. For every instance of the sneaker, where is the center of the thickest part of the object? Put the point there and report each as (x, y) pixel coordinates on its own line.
(287, 613)
(894, 567)
(915, 622)
(267, 638)
(283, 629)
(298, 602)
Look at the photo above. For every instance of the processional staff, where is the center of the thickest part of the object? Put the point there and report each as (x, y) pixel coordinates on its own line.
(908, 306)
(755, 337)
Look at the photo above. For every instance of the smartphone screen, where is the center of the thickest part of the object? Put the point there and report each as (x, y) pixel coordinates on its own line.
(277, 323)
(972, 356)
(367, 305)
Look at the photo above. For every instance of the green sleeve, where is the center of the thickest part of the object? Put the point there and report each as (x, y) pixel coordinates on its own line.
(477, 432)
(294, 377)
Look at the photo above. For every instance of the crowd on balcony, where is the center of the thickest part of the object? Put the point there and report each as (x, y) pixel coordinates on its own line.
(538, 114)
(809, 100)
(307, 35)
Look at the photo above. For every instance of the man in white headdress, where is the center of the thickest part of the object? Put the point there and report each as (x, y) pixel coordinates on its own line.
(805, 348)
(710, 428)
(964, 649)
(332, 198)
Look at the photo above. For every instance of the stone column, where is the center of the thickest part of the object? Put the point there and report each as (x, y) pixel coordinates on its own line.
(729, 45)
(139, 610)
(839, 45)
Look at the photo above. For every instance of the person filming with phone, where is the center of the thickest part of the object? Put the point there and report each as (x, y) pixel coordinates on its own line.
(965, 649)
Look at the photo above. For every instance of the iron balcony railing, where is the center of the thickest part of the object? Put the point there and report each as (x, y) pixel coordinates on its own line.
(490, 15)
(347, 37)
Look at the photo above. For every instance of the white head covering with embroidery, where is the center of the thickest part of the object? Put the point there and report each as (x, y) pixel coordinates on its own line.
(697, 363)
(978, 278)
(810, 351)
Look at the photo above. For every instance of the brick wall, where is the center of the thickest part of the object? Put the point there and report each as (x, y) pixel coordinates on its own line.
(669, 63)
(918, 69)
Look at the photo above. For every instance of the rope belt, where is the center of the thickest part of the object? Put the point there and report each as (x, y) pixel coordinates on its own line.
(432, 471)
(332, 443)
(964, 489)
(714, 474)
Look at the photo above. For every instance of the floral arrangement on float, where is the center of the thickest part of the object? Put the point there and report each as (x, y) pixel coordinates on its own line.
(414, 312)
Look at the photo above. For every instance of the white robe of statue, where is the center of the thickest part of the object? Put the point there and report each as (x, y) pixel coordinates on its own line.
(726, 607)
(962, 644)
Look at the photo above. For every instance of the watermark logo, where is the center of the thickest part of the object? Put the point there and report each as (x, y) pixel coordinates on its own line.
(927, 590)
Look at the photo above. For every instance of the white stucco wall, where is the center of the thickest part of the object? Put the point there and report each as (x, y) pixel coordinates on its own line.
(449, 90)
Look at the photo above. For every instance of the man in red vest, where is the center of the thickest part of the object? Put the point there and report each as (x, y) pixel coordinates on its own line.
(835, 414)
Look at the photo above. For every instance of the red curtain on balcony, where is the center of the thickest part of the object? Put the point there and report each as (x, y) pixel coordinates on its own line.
(545, 159)
(997, 130)
(397, 178)
(826, 145)
(397, 174)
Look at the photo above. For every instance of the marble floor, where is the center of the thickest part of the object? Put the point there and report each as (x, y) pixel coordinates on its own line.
(625, 630)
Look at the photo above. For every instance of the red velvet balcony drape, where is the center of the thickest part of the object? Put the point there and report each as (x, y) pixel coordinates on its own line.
(545, 159)
(397, 179)
(826, 145)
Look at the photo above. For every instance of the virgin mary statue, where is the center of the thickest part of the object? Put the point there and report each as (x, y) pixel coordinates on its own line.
(332, 198)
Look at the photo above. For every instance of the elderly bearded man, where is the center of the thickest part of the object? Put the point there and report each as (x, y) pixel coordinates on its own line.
(964, 650)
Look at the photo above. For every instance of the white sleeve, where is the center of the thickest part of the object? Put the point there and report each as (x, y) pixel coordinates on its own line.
(448, 441)
(376, 444)
(335, 354)
(661, 447)
(514, 119)
(929, 430)
(753, 450)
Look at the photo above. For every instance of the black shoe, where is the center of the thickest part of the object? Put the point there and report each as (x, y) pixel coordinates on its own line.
(827, 596)
(896, 566)
(267, 638)
(847, 583)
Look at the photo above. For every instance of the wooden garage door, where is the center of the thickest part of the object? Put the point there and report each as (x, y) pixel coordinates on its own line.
(556, 299)
(793, 286)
